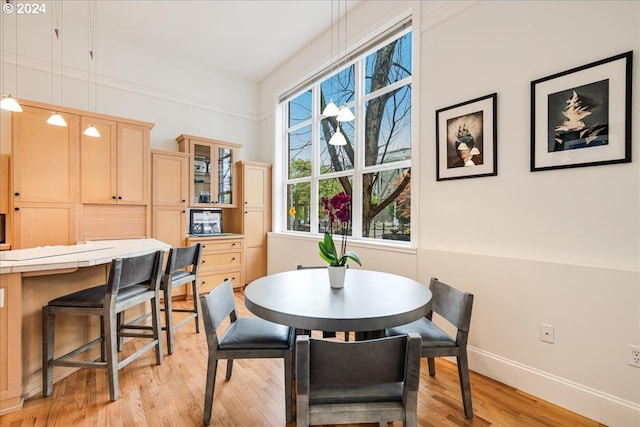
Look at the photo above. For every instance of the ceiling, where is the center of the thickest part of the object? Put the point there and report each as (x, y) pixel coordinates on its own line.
(249, 37)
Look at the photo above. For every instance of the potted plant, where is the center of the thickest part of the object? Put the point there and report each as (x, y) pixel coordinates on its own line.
(339, 211)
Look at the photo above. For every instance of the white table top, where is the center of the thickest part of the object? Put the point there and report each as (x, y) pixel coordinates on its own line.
(369, 301)
(74, 256)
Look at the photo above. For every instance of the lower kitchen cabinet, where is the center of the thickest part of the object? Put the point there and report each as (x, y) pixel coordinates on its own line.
(10, 343)
(222, 257)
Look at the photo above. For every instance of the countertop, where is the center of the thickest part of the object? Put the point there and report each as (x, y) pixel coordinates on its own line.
(75, 256)
(216, 236)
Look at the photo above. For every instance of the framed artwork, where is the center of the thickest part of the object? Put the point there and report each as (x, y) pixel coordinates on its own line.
(466, 141)
(582, 117)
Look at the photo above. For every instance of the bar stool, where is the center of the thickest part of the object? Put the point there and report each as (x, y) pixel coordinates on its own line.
(132, 281)
(182, 267)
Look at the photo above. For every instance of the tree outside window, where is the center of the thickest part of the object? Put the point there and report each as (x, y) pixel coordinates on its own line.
(376, 157)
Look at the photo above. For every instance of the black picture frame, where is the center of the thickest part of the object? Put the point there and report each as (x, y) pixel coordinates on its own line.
(466, 139)
(582, 117)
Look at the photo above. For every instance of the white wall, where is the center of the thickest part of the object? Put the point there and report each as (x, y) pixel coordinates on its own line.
(559, 247)
(176, 95)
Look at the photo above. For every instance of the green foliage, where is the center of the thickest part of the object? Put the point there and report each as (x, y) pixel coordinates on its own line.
(329, 253)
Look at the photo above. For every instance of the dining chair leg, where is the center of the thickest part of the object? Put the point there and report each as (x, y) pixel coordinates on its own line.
(168, 318)
(465, 384)
(103, 348)
(157, 328)
(212, 367)
(229, 368)
(48, 323)
(120, 322)
(112, 344)
(432, 366)
(196, 306)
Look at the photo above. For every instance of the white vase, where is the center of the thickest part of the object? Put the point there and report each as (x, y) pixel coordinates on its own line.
(336, 276)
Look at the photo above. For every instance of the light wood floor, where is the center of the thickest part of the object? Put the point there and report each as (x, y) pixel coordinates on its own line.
(172, 394)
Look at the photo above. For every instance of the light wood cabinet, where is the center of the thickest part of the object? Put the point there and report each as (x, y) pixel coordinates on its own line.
(54, 170)
(115, 166)
(42, 224)
(5, 162)
(10, 342)
(4, 183)
(45, 157)
(211, 169)
(45, 179)
(170, 175)
(222, 258)
(169, 196)
(253, 220)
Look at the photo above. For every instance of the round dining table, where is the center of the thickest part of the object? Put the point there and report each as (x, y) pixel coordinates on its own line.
(369, 302)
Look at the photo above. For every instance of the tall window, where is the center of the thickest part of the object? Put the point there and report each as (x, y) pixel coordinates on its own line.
(374, 167)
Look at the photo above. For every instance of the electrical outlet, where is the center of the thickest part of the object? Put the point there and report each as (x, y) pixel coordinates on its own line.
(547, 333)
(633, 355)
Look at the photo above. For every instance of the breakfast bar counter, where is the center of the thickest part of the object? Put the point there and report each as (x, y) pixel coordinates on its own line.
(29, 279)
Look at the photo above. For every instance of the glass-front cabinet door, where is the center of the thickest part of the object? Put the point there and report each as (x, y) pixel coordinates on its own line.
(202, 156)
(212, 171)
(225, 175)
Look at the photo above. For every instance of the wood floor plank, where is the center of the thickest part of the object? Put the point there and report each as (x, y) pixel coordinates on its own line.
(172, 394)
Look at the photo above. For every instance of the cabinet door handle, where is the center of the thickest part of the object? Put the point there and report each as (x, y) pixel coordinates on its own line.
(233, 244)
(113, 197)
(184, 211)
(119, 197)
(246, 212)
(202, 261)
(183, 200)
(16, 209)
(233, 258)
(17, 194)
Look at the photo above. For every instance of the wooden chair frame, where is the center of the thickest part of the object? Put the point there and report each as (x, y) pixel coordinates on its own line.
(357, 382)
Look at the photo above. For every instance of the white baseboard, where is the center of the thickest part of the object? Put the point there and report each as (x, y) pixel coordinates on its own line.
(593, 404)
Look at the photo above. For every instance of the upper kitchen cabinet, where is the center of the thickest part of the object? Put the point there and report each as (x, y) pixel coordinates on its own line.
(115, 166)
(44, 188)
(45, 165)
(211, 170)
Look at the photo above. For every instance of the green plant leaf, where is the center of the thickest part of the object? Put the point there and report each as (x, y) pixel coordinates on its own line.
(328, 250)
(353, 256)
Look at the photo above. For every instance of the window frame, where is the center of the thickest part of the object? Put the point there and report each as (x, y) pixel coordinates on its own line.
(359, 169)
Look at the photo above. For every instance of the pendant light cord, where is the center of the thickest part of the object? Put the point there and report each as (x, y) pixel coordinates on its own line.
(57, 30)
(92, 18)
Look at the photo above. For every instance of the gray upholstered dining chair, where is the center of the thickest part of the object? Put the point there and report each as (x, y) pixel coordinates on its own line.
(454, 306)
(182, 268)
(357, 382)
(132, 281)
(325, 334)
(244, 338)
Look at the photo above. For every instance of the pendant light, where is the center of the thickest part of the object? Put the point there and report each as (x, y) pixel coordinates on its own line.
(338, 138)
(345, 115)
(91, 130)
(56, 119)
(8, 102)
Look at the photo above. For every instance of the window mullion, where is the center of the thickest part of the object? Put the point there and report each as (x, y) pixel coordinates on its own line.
(315, 158)
(356, 206)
